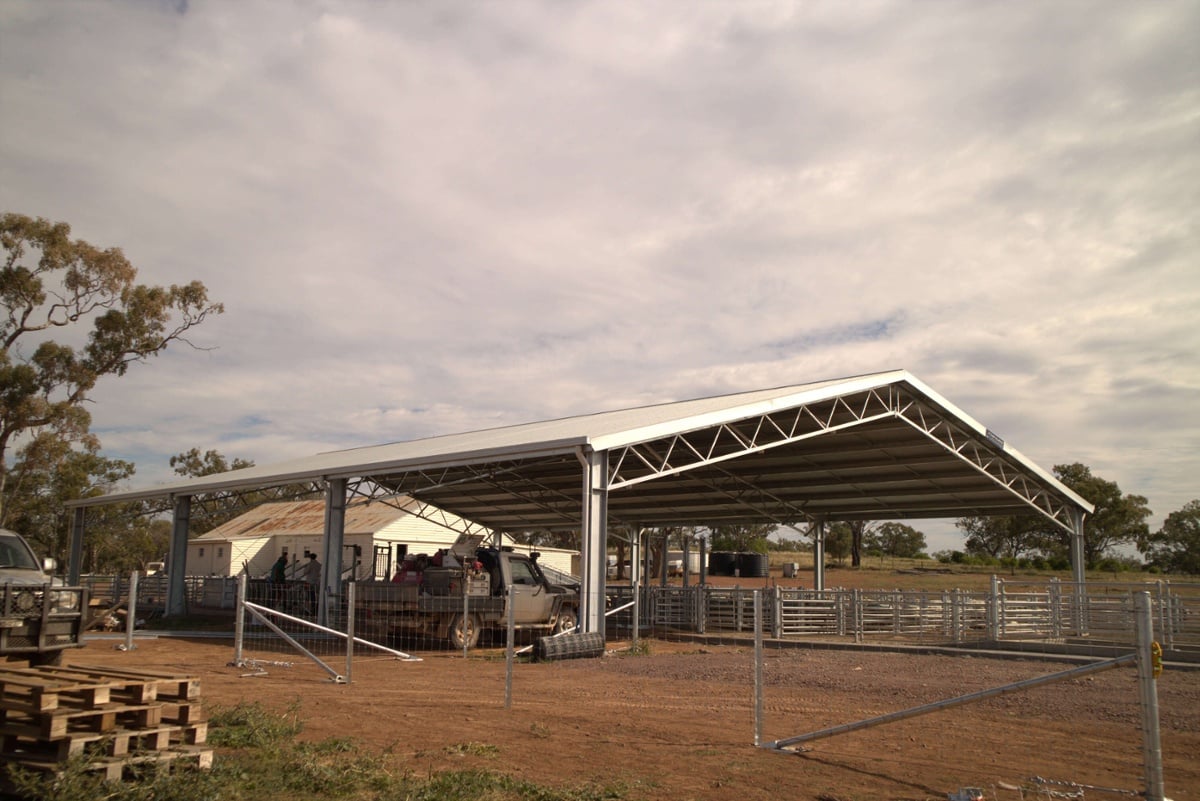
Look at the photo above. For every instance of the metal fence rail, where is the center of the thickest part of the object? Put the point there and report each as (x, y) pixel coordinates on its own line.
(1053, 612)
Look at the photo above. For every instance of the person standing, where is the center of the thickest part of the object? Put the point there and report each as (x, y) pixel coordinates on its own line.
(312, 575)
(278, 579)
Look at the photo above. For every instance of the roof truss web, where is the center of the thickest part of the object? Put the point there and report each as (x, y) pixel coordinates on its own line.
(881, 453)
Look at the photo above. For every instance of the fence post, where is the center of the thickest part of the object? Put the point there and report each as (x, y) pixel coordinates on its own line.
(777, 613)
(701, 607)
(349, 628)
(131, 612)
(856, 610)
(509, 651)
(995, 611)
(239, 620)
(1148, 666)
(758, 667)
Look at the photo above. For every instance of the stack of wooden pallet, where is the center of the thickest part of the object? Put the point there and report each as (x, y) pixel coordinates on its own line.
(120, 719)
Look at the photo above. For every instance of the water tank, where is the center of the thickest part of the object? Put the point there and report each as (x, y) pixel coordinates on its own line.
(722, 563)
(753, 565)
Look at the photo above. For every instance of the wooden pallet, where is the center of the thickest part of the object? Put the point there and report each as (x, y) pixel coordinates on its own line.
(118, 719)
(117, 768)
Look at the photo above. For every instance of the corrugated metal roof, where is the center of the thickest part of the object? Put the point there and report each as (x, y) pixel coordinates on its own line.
(699, 462)
(302, 517)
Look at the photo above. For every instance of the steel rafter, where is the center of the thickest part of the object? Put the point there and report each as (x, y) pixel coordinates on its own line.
(646, 461)
(248, 499)
(986, 460)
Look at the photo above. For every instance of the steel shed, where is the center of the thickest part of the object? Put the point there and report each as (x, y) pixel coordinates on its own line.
(873, 447)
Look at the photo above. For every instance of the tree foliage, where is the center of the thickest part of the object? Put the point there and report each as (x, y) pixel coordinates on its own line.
(895, 539)
(1001, 537)
(51, 284)
(1176, 546)
(1119, 519)
(839, 540)
(741, 539)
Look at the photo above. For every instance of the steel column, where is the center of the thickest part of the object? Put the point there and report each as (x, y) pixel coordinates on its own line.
(331, 561)
(635, 581)
(818, 532)
(177, 557)
(594, 540)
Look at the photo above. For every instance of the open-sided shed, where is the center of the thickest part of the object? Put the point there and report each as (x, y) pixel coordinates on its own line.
(874, 447)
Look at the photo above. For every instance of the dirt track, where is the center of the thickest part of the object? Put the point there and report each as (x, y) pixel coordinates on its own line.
(678, 724)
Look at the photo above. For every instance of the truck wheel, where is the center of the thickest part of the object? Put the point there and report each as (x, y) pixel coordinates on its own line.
(567, 620)
(463, 631)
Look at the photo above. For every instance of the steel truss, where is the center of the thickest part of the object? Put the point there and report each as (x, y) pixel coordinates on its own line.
(709, 447)
(368, 491)
(646, 461)
(984, 457)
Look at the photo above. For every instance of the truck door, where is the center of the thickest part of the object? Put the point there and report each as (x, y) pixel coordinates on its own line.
(531, 601)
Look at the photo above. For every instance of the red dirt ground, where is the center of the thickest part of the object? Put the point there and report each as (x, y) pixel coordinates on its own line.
(678, 723)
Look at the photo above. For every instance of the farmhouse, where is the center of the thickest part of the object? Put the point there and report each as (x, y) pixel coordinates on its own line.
(376, 537)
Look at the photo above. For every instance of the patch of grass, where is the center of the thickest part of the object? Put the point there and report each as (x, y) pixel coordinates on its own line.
(540, 730)
(333, 769)
(251, 725)
(639, 648)
(473, 749)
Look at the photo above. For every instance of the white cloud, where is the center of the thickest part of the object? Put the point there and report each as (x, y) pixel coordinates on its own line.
(434, 218)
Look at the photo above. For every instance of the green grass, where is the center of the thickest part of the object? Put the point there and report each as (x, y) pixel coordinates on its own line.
(258, 759)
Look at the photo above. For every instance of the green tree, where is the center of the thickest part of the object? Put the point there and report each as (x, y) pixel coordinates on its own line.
(51, 283)
(193, 464)
(839, 539)
(998, 537)
(742, 539)
(1119, 519)
(1176, 546)
(896, 540)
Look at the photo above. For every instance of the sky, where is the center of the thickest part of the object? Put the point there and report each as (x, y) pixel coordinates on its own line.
(429, 218)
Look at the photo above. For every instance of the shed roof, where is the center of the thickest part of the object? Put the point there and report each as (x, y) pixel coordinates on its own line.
(878, 446)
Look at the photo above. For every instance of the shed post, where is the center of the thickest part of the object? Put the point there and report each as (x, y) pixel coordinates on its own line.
(331, 561)
(1078, 569)
(594, 539)
(635, 580)
(177, 557)
(818, 531)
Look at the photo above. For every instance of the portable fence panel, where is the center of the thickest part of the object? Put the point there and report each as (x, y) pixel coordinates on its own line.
(671, 608)
(810, 612)
(729, 609)
(1027, 615)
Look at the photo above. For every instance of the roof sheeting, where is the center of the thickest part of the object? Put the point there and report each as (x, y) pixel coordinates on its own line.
(878, 446)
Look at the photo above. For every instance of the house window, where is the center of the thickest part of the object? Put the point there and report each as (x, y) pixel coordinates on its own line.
(220, 552)
(201, 552)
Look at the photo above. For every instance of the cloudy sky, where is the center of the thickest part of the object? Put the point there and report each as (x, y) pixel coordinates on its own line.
(434, 217)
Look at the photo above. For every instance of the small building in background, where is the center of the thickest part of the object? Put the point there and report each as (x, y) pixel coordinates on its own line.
(376, 537)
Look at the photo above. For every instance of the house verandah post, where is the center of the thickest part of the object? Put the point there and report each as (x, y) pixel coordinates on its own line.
(594, 539)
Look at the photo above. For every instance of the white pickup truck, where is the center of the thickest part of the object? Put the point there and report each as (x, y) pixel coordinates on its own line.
(39, 617)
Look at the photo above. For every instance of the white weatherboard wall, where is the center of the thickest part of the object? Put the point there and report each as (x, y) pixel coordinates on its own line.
(286, 528)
